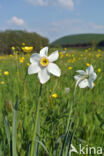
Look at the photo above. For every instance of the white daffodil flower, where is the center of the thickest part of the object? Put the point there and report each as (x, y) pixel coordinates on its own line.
(86, 78)
(43, 65)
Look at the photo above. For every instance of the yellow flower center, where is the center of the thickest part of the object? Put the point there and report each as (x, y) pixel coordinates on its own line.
(44, 61)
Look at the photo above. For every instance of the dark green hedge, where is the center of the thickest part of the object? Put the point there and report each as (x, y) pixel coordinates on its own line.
(11, 38)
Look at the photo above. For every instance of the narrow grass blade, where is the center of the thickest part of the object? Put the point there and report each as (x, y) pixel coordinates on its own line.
(57, 145)
(14, 129)
(0, 151)
(7, 129)
(36, 145)
(44, 147)
(28, 153)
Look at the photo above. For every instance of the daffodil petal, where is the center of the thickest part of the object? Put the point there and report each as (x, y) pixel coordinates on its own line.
(91, 84)
(90, 69)
(43, 76)
(54, 69)
(54, 56)
(83, 84)
(82, 72)
(35, 58)
(77, 77)
(44, 51)
(92, 76)
(33, 68)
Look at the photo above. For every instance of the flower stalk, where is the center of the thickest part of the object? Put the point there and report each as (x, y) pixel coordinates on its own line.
(36, 122)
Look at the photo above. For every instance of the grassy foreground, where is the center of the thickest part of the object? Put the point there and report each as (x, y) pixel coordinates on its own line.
(86, 108)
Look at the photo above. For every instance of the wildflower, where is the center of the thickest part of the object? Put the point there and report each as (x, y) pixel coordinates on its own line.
(86, 50)
(99, 70)
(43, 65)
(86, 78)
(28, 64)
(70, 68)
(21, 60)
(11, 55)
(67, 54)
(23, 44)
(55, 95)
(6, 73)
(65, 49)
(61, 53)
(2, 82)
(27, 49)
(98, 55)
(61, 56)
(13, 48)
(87, 64)
(99, 50)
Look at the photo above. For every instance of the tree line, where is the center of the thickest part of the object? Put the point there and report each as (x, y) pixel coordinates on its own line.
(10, 38)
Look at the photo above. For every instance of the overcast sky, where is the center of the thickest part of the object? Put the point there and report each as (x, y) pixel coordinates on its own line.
(53, 18)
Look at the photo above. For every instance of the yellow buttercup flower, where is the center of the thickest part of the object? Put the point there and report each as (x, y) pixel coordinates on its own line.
(21, 60)
(70, 68)
(99, 50)
(61, 56)
(86, 50)
(6, 73)
(13, 48)
(23, 44)
(98, 55)
(11, 55)
(87, 64)
(2, 82)
(28, 64)
(99, 70)
(61, 53)
(27, 49)
(65, 48)
(67, 54)
(55, 95)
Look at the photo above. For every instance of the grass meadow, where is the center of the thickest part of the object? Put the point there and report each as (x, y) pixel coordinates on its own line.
(81, 116)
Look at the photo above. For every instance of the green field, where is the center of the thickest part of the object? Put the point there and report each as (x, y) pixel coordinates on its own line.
(81, 39)
(65, 119)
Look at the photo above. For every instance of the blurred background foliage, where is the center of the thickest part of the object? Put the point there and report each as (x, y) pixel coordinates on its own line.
(10, 38)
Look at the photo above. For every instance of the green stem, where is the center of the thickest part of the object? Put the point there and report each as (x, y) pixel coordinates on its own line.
(36, 122)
